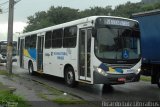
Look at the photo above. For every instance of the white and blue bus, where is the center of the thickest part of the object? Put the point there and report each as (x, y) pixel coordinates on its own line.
(93, 50)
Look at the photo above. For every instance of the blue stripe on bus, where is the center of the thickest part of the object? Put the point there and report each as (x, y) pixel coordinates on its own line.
(33, 53)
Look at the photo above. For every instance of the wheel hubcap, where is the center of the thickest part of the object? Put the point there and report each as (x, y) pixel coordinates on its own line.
(30, 69)
(69, 77)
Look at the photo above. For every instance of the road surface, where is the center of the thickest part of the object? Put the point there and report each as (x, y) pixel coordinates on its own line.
(137, 91)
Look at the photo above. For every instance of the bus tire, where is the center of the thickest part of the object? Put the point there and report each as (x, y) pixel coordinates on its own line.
(107, 88)
(70, 77)
(30, 68)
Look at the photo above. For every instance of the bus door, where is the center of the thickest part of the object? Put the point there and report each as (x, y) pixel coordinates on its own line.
(40, 53)
(85, 54)
(21, 53)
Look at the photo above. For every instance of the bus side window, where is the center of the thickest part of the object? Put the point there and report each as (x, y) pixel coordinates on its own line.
(70, 37)
(57, 38)
(27, 42)
(48, 41)
(33, 41)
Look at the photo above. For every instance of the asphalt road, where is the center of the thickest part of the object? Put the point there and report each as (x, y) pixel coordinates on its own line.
(142, 91)
(137, 91)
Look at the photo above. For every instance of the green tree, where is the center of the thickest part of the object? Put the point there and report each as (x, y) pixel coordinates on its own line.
(148, 7)
(37, 21)
(52, 17)
(126, 10)
(96, 11)
(58, 15)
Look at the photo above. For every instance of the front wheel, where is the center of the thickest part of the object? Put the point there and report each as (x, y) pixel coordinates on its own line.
(70, 77)
(107, 88)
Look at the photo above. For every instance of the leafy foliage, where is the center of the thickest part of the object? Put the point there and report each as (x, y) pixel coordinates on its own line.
(52, 17)
(58, 15)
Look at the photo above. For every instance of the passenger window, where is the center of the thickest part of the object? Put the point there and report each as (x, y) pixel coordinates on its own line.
(48, 41)
(57, 38)
(27, 42)
(70, 37)
(33, 40)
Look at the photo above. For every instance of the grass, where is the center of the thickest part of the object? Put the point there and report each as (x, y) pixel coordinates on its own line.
(8, 99)
(145, 78)
(62, 99)
(3, 72)
(6, 73)
(57, 96)
(68, 100)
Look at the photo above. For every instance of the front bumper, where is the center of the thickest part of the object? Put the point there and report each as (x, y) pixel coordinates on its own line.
(113, 79)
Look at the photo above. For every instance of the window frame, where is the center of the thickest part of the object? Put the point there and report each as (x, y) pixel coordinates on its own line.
(72, 38)
(33, 41)
(27, 41)
(58, 39)
(46, 40)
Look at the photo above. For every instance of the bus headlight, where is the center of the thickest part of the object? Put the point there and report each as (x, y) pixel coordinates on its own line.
(138, 71)
(101, 71)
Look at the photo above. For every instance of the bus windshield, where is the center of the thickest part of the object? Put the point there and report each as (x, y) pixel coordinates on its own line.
(117, 43)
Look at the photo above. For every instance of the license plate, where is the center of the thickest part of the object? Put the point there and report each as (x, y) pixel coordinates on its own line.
(130, 70)
(121, 79)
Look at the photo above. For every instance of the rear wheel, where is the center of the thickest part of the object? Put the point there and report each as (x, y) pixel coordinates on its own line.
(70, 77)
(30, 68)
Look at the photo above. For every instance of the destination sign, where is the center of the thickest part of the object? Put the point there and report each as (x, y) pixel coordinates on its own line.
(115, 22)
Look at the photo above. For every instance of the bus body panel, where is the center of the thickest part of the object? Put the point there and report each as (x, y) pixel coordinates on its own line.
(56, 59)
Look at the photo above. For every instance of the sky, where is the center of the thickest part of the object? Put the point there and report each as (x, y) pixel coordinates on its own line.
(26, 8)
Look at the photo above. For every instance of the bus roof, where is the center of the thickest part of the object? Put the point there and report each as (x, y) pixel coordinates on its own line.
(71, 23)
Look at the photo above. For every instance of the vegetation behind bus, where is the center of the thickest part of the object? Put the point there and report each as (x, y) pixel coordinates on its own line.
(57, 15)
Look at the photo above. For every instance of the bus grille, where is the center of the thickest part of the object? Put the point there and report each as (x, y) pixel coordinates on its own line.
(123, 66)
